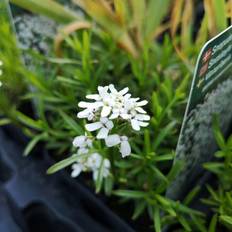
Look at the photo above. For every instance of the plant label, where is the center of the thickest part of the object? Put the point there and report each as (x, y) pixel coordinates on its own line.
(211, 93)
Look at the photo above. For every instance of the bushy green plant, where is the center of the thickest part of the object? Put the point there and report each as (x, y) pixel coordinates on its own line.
(89, 57)
(144, 176)
(221, 196)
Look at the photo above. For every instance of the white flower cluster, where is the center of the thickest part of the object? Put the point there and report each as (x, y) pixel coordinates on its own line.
(91, 162)
(114, 104)
(109, 108)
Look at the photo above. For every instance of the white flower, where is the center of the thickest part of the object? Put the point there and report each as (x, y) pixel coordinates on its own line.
(91, 163)
(91, 109)
(105, 125)
(83, 143)
(135, 113)
(102, 100)
(107, 105)
(118, 96)
(105, 171)
(115, 139)
(88, 113)
(137, 121)
(95, 161)
(77, 168)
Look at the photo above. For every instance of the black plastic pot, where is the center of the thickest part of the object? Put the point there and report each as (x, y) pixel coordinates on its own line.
(31, 201)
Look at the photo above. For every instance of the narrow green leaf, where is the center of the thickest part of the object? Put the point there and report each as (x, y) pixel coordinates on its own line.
(100, 177)
(184, 223)
(226, 219)
(108, 187)
(147, 141)
(166, 157)
(176, 168)
(139, 209)
(4, 121)
(163, 133)
(219, 7)
(155, 12)
(130, 194)
(38, 125)
(191, 195)
(30, 146)
(47, 8)
(157, 220)
(213, 223)
(72, 124)
(62, 164)
(217, 132)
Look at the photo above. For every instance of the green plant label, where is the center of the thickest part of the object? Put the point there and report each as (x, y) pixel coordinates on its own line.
(211, 93)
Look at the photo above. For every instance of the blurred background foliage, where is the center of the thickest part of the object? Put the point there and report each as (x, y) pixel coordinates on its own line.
(12, 80)
(150, 46)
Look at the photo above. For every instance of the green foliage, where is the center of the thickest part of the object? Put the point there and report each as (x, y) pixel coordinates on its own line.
(221, 198)
(152, 71)
(12, 68)
(143, 177)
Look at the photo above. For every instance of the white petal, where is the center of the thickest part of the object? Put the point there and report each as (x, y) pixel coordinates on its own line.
(135, 99)
(114, 115)
(109, 125)
(112, 89)
(103, 91)
(143, 124)
(124, 138)
(142, 103)
(125, 149)
(103, 133)
(84, 114)
(88, 142)
(94, 161)
(97, 159)
(124, 91)
(83, 104)
(94, 97)
(90, 117)
(104, 120)
(93, 126)
(106, 172)
(112, 140)
(106, 163)
(79, 141)
(142, 117)
(135, 124)
(91, 105)
(105, 111)
(77, 168)
(125, 116)
(127, 96)
(82, 150)
(140, 110)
